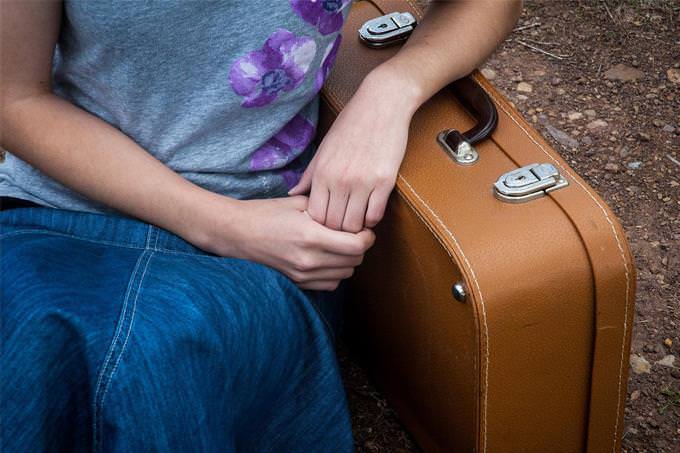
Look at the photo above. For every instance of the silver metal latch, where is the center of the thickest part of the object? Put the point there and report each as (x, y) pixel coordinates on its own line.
(388, 29)
(527, 183)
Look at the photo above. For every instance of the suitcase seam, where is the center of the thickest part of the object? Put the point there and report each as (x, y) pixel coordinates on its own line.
(618, 243)
(481, 301)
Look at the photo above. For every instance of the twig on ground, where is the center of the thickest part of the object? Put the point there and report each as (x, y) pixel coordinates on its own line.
(608, 12)
(544, 52)
(525, 27)
(541, 43)
(673, 159)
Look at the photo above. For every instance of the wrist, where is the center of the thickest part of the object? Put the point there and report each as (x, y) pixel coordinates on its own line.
(390, 79)
(211, 223)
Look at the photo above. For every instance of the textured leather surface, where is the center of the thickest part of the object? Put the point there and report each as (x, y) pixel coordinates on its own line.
(536, 358)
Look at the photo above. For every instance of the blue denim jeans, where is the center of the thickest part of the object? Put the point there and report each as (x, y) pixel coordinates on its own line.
(120, 336)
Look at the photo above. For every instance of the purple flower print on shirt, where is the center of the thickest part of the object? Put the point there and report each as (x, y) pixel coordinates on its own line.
(260, 76)
(283, 147)
(292, 177)
(327, 64)
(325, 15)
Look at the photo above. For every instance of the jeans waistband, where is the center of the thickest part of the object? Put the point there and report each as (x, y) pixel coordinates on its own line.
(109, 228)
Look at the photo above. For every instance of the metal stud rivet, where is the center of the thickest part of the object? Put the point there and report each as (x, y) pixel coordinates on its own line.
(458, 291)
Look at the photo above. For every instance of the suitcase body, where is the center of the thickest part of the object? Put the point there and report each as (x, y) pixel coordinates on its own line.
(534, 357)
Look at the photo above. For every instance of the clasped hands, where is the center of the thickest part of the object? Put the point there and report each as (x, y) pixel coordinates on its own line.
(354, 170)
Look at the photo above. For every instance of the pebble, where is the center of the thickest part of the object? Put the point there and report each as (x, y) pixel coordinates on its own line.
(555, 81)
(639, 364)
(635, 395)
(667, 361)
(590, 113)
(668, 128)
(623, 73)
(596, 124)
(634, 165)
(524, 87)
(561, 91)
(562, 137)
(573, 116)
(668, 342)
(489, 73)
(658, 123)
(673, 75)
(612, 167)
(644, 136)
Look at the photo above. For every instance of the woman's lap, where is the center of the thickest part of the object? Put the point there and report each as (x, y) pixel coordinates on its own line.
(122, 335)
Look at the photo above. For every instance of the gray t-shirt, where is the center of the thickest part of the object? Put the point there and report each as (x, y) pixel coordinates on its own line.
(223, 92)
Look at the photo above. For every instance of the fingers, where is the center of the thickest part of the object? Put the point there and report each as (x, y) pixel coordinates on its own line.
(322, 285)
(337, 273)
(337, 205)
(376, 205)
(345, 243)
(318, 203)
(305, 181)
(353, 221)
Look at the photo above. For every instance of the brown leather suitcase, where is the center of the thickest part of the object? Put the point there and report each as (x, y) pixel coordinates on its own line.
(491, 326)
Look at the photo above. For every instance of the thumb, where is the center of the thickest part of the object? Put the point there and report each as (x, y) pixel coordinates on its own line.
(304, 184)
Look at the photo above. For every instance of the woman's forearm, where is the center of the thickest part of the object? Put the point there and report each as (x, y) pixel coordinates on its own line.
(97, 160)
(453, 38)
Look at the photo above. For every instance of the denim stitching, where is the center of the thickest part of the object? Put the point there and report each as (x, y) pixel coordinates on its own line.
(107, 359)
(55, 233)
(149, 255)
(101, 241)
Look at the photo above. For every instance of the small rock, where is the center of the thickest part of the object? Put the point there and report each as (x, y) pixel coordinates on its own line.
(658, 123)
(587, 140)
(668, 128)
(675, 372)
(644, 136)
(573, 116)
(612, 167)
(561, 137)
(668, 342)
(561, 91)
(673, 75)
(590, 113)
(521, 97)
(555, 81)
(635, 395)
(667, 361)
(596, 124)
(623, 73)
(489, 73)
(639, 364)
(524, 87)
(634, 165)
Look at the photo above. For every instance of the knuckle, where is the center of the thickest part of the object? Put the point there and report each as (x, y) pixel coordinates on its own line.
(305, 263)
(373, 218)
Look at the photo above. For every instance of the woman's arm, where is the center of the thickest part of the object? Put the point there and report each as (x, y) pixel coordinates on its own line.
(99, 161)
(355, 168)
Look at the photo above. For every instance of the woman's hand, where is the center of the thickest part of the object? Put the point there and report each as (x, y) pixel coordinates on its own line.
(355, 168)
(280, 233)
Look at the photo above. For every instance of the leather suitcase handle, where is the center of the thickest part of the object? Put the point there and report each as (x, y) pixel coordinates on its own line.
(478, 103)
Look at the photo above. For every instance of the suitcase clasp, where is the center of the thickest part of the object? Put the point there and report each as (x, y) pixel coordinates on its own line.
(388, 29)
(528, 183)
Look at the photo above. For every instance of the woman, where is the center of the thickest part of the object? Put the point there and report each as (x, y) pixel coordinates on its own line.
(161, 261)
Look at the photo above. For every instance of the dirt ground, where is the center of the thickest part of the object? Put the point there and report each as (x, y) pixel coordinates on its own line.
(602, 83)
